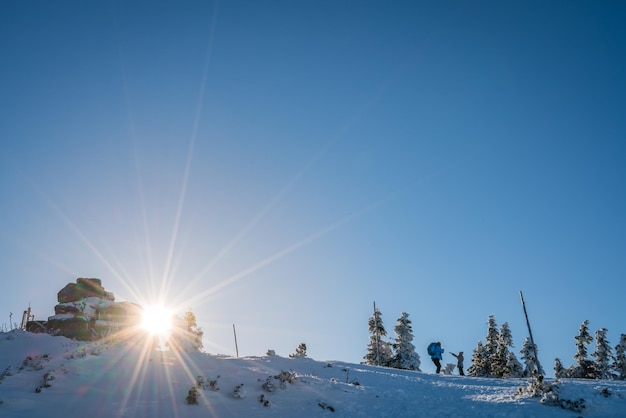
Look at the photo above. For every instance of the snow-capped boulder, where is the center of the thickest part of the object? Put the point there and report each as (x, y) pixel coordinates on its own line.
(83, 288)
(86, 311)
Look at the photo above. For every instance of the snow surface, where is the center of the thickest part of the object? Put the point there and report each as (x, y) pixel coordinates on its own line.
(130, 379)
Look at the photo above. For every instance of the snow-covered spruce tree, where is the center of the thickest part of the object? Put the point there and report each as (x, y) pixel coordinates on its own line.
(379, 353)
(585, 368)
(491, 343)
(559, 370)
(620, 358)
(194, 331)
(529, 356)
(186, 335)
(386, 353)
(300, 351)
(514, 367)
(480, 362)
(504, 364)
(405, 357)
(603, 355)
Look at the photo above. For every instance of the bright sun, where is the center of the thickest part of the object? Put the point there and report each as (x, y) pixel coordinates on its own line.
(157, 320)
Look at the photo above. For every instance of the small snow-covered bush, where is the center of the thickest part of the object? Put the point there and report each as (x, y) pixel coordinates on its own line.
(207, 383)
(286, 376)
(448, 368)
(269, 385)
(35, 363)
(192, 396)
(264, 400)
(238, 392)
(213, 384)
(549, 393)
(5, 373)
(326, 406)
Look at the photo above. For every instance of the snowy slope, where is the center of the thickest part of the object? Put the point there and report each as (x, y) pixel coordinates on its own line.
(129, 379)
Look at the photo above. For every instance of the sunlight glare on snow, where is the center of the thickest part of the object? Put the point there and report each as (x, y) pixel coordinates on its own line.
(157, 320)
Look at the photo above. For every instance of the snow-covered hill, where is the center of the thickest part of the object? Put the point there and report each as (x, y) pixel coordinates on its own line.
(48, 377)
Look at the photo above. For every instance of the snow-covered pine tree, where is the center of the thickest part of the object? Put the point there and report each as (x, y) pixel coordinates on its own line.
(504, 364)
(491, 343)
(379, 353)
(186, 335)
(620, 358)
(584, 367)
(300, 351)
(480, 362)
(514, 367)
(194, 330)
(559, 370)
(405, 357)
(386, 353)
(603, 355)
(530, 359)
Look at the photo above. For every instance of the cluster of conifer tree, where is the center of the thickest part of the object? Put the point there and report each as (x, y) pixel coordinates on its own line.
(604, 365)
(494, 358)
(400, 353)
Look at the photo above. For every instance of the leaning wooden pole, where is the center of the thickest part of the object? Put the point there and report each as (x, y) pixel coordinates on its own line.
(530, 333)
(377, 337)
(236, 346)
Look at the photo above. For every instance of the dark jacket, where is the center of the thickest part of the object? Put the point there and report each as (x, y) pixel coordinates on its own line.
(459, 359)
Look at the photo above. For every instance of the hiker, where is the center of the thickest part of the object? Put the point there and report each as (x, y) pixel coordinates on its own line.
(459, 362)
(435, 351)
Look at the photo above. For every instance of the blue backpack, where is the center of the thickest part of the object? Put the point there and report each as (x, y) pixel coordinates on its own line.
(431, 349)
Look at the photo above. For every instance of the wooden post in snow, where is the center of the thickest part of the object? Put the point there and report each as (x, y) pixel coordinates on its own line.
(377, 337)
(236, 347)
(530, 333)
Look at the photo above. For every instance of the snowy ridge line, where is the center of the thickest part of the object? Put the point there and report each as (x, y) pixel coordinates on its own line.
(127, 379)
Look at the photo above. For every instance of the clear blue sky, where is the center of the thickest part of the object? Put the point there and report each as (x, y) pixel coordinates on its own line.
(280, 165)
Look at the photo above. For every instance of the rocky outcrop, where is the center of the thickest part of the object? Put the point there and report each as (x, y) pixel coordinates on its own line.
(37, 327)
(84, 288)
(86, 311)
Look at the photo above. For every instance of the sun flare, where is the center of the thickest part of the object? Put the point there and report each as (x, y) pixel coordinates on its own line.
(157, 320)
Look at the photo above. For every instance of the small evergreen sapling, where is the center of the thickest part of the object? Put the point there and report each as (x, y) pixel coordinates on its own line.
(620, 358)
(300, 351)
(559, 370)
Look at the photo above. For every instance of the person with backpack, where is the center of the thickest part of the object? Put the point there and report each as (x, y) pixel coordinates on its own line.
(459, 362)
(435, 352)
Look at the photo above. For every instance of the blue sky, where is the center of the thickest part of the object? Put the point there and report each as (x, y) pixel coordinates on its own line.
(281, 165)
